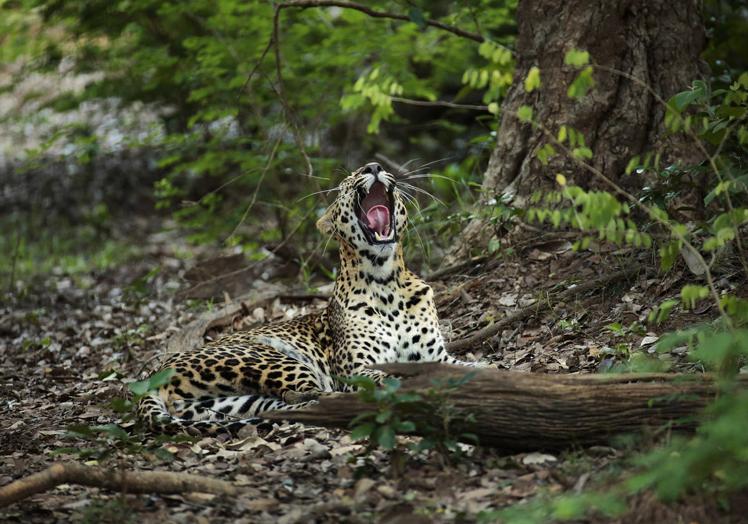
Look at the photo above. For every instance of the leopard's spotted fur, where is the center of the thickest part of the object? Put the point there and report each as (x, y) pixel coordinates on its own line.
(380, 312)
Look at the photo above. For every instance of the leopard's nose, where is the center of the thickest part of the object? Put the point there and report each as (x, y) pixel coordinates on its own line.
(372, 168)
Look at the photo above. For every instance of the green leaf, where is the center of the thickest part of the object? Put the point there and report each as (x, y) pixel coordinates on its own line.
(660, 314)
(363, 431)
(403, 398)
(713, 349)
(416, 16)
(471, 437)
(361, 382)
(383, 416)
(582, 152)
(633, 164)
(524, 113)
(743, 80)
(581, 84)
(576, 58)
(81, 430)
(532, 81)
(691, 293)
(391, 384)
(669, 254)
(164, 454)
(153, 382)
(114, 431)
(386, 437)
(545, 153)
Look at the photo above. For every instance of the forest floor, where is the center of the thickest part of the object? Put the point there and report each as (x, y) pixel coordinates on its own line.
(70, 341)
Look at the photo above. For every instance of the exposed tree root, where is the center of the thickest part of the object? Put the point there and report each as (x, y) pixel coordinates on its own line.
(115, 480)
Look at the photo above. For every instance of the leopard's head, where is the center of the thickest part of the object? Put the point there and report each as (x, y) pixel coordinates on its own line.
(369, 210)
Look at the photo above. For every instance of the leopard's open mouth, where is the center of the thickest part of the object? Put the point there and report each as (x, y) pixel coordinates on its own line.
(376, 213)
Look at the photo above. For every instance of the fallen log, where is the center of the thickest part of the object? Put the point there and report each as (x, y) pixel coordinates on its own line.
(524, 411)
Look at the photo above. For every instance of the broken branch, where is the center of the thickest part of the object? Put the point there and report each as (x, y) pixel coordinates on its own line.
(112, 479)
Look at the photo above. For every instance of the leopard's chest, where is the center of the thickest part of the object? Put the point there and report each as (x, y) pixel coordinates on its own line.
(389, 327)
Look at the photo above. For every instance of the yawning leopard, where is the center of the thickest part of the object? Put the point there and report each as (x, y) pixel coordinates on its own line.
(380, 312)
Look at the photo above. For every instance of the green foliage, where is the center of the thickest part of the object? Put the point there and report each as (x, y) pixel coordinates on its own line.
(714, 459)
(582, 84)
(105, 439)
(107, 511)
(524, 113)
(532, 81)
(590, 211)
(433, 415)
(31, 249)
(716, 121)
(229, 133)
(560, 508)
(576, 58)
(151, 383)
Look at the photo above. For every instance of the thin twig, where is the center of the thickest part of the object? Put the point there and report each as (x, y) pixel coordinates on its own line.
(449, 270)
(304, 4)
(115, 480)
(438, 103)
(257, 64)
(281, 92)
(271, 157)
(16, 250)
(492, 329)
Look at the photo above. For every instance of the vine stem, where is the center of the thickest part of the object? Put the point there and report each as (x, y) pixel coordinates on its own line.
(636, 203)
(712, 159)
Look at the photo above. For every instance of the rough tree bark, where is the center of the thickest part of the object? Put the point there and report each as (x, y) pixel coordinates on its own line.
(656, 41)
(526, 411)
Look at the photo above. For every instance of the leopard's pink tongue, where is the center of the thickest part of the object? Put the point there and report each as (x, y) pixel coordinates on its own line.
(378, 218)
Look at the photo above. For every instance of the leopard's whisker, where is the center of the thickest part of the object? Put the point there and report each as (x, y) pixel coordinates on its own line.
(407, 163)
(429, 175)
(424, 166)
(317, 193)
(409, 198)
(419, 190)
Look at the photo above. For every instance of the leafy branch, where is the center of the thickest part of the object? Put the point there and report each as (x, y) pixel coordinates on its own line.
(373, 13)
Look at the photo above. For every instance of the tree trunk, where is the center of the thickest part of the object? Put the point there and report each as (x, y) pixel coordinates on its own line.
(655, 41)
(523, 412)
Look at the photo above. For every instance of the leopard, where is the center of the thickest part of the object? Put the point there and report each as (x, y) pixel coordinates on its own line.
(379, 312)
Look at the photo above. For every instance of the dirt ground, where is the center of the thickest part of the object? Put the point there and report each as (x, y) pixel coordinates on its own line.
(69, 343)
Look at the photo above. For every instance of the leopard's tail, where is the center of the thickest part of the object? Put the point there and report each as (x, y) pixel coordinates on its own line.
(212, 416)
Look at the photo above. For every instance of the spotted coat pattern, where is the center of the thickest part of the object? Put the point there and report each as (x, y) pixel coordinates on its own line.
(380, 312)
